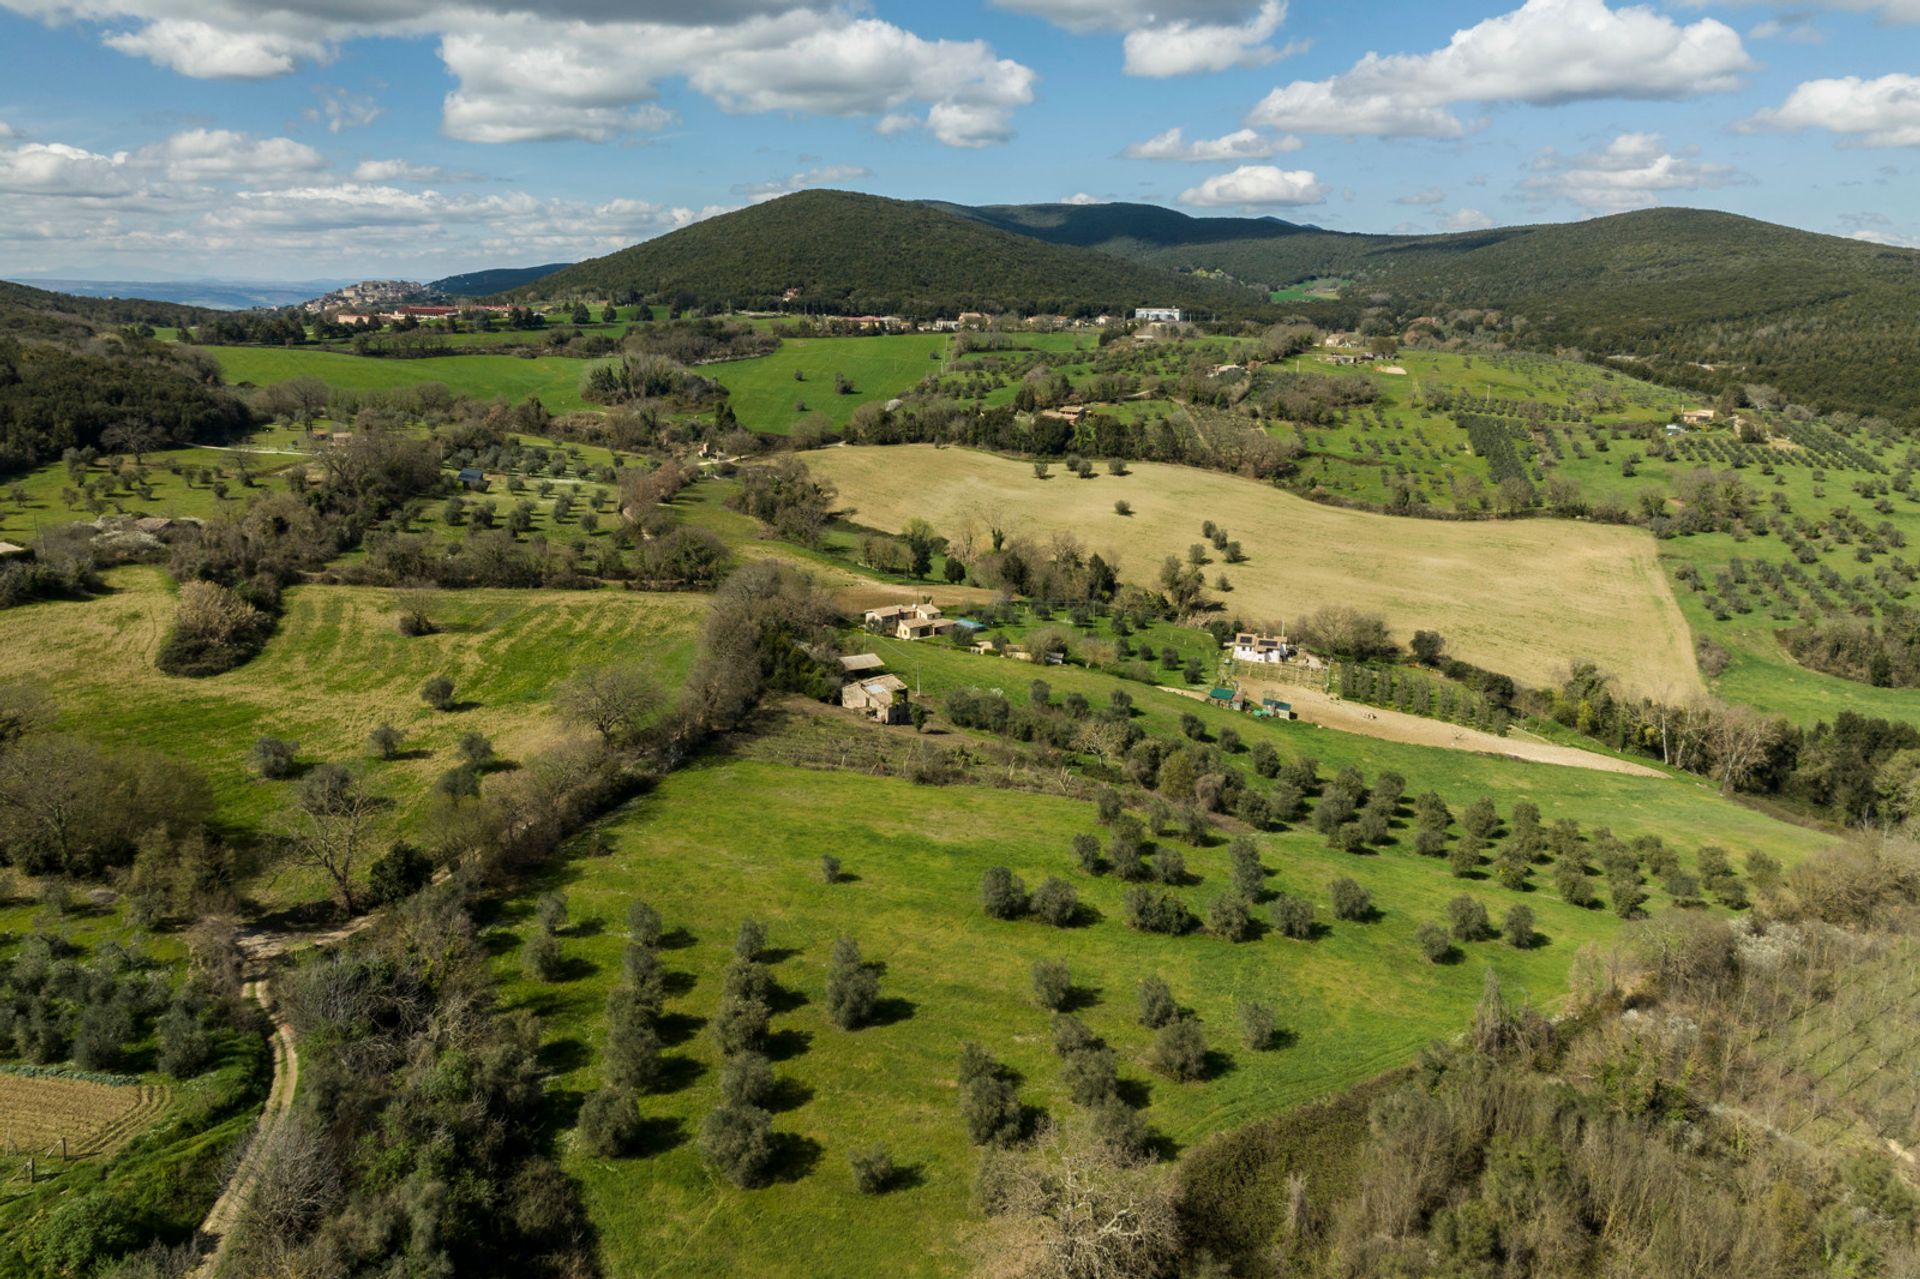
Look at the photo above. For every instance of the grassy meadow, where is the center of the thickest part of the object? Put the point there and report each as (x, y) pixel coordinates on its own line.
(336, 669)
(1520, 597)
(1358, 1000)
(556, 380)
(766, 396)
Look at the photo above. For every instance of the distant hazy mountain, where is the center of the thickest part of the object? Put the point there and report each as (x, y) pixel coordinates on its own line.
(863, 253)
(218, 295)
(480, 284)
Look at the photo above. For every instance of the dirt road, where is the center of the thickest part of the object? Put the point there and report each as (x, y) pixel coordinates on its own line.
(1316, 707)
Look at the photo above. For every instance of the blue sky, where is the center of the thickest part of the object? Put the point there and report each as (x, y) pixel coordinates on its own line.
(347, 138)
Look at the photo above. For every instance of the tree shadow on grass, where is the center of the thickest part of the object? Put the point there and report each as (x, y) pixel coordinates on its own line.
(574, 968)
(772, 955)
(891, 1010)
(794, 1157)
(675, 1029)
(784, 999)
(1135, 1094)
(559, 1056)
(905, 1177)
(788, 1094)
(658, 1135)
(678, 982)
(591, 926)
(676, 939)
(785, 1045)
(1079, 997)
(678, 1071)
(1217, 1065)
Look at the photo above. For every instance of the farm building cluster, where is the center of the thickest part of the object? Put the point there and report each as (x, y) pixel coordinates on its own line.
(872, 691)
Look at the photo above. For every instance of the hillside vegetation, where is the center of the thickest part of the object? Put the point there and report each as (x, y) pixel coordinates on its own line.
(862, 253)
(1697, 298)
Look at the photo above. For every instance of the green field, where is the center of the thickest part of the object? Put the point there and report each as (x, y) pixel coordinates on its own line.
(1355, 1002)
(556, 380)
(1308, 291)
(766, 396)
(336, 669)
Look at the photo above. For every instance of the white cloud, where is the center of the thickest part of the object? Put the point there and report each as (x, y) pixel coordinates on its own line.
(591, 69)
(1544, 53)
(1465, 219)
(55, 169)
(1184, 47)
(1242, 144)
(1256, 186)
(397, 171)
(1631, 172)
(206, 52)
(825, 176)
(343, 109)
(1791, 27)
(1432, 195)
(1876, 113)
(1891, 239)
(5, 130)
(199, 154)
(1082, 198)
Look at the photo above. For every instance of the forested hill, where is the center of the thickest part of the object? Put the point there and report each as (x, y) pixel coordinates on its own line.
(1696, 298)
(31, 312)
(480, 284)
(865, 254)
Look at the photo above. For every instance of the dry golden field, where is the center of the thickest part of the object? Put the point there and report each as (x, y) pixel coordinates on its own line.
(1522, 597)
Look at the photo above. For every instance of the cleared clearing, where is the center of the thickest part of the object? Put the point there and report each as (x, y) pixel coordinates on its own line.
(1522, 597)
(95, 1118)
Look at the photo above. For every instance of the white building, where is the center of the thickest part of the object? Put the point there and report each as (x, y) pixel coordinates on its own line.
(1159, 314)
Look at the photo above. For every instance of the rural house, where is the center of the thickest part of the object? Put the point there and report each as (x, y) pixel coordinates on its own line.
(1248, 646)
(908, 621)
(1158, 314)
(882, 697)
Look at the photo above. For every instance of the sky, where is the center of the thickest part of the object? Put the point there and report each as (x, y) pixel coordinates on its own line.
(313, 139)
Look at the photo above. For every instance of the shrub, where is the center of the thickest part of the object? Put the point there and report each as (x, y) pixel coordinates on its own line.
(1155, 912)
(1056, 901)
(1170, 866)
(459, 782)
(475, 749)
(1180, 1050)
(643, 924)
(1292, 916)
(609, 1122)
(988, 1102)
(1249, 876)
(185, 1045)
(1086, 851)
(873, 1169)
(1256, 1024)
(438, 693)
(1156, 1003)
(1350, 901)
(1052, 984)
(1090, 1074)
(737, 1142)
(1480, 819)
(739, 1025)
(540, 956)
(1467, 917)
(401, 873)
(1464, 857)
(1517, 927)
(1002, 894)
(746, 1079)
(551, 911)
(273, 757)
(1120, 1129)
(1266, 760)
(829, 868)
(1229, 917)
(1434, 942)
(1070, 1035)
(852, 988)
(750, 939)
(1107, 804)
(385, 740)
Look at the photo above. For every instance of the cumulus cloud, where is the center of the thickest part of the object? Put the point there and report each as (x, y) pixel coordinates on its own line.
(824, 176)
(1082, 198)
(1256, 186)
(200, 154)
(1465, 219)
(55, 169)
(1631, 172)
(343, 109)
(1544, 53)
(397, 171)
(1241, 144)
(591, 69)
(1432, 195)
(1883, 112)
(1184, 47)
(1891, 239)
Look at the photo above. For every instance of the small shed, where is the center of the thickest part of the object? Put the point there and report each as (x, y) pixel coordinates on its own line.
(474, 478)
(1276, 708)
(861, 663)
(9, 551)
(1227, 697)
